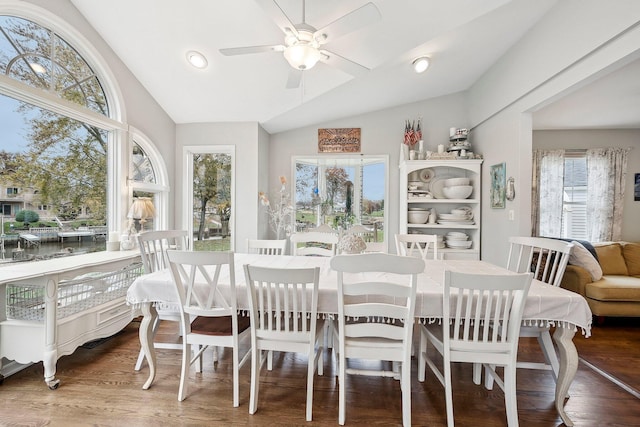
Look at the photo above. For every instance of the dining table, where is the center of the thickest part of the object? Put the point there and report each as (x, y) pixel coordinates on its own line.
(546, 305)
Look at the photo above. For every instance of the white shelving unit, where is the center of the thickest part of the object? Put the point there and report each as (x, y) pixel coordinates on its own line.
(439, 169)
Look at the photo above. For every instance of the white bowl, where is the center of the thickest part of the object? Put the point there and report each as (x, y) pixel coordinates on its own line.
(456, 181)
(457, 234)
(417, 217)
(466, 244)
(458, 191)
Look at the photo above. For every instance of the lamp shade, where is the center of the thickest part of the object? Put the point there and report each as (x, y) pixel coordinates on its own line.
(142, 208)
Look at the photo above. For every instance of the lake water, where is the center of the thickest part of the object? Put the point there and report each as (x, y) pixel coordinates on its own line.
(48, 250)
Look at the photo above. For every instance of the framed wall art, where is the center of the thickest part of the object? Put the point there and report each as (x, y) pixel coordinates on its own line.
(339, 140)
(636, 188)
(498, 185)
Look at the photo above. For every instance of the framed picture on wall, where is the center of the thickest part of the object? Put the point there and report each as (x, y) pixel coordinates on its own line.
(339, 140)
(498, 185)
(636, 188)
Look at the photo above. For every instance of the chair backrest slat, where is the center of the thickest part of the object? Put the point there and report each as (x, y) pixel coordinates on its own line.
(385, 312)
(546, 258)
(487, 309)
(316, 243)
(155, 244)
(282, 301)
(197, 274)
(266, 247)
(406, 244)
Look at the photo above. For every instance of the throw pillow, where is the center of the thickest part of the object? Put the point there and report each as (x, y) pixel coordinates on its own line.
(631, 252)
(580, 256)
(611, 259)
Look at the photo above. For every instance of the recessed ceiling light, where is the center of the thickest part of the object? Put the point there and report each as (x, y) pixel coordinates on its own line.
(421, 64)
(197, 59)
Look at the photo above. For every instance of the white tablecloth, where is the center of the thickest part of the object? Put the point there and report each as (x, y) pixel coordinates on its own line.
(545, 304)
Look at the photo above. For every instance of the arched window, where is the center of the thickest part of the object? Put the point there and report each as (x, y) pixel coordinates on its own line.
(65, 145)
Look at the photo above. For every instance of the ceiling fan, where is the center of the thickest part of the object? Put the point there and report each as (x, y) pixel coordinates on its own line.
(303, 43)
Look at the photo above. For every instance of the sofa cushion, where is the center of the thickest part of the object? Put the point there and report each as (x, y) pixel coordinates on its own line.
(611, 259)
(631, 253)
(614, 288)
(581, 257)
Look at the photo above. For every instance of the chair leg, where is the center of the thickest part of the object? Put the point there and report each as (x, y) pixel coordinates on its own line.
(256, 357)
(184, 372)
(270, 360)
(406, 392)
(341, 390)
(310, 372)
(448, 391)
(236, 379)
(422, 355)
(510, 399)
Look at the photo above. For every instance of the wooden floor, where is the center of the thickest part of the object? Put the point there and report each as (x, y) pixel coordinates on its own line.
(99, 387)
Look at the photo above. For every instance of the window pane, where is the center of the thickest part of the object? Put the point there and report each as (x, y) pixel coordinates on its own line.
(340, 192)
(574, 218)
(211, 201)
(36, 56)
(142, 167)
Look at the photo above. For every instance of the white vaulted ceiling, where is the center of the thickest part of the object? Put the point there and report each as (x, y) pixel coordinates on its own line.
(462, 37)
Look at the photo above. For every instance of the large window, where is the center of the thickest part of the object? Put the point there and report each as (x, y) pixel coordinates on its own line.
(579, 194)
(63, 142)
(209, 207)
(341, 191)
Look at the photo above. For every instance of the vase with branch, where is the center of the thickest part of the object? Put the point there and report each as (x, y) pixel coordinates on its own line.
(280, 211)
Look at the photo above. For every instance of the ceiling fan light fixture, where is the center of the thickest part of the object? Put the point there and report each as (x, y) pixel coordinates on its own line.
(197, 59)
(421, 64)
(302, 56)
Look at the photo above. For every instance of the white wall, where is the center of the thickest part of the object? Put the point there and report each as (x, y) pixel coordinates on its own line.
(551, 60)
(623, 138)
(245, 137)
(382, 133)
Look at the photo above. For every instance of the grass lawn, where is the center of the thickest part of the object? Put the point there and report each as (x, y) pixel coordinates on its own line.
(212, 244)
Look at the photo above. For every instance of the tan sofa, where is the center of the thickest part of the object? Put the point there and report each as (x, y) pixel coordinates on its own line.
(617, 293)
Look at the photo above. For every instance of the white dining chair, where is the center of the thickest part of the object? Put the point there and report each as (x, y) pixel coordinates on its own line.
(360, 230)
(315, 243)
(266, 247)
(481, 322)
(547, 259)
(153, 251)
(375, 318)
(283, 306)
(424, 245)
(207, 316)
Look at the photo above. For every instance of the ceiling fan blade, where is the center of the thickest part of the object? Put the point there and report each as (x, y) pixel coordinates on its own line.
(251, 49)
(352, 21)
(342, 63)
(276, 13)
(295, 76)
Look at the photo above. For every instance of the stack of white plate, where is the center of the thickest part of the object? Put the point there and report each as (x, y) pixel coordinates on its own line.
(457, 240)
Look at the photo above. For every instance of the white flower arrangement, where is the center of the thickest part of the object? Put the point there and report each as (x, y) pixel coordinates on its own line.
(281, 212)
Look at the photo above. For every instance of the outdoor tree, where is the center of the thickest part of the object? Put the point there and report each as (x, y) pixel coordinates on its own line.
(337, 179)
(211, 187)
(66, 160)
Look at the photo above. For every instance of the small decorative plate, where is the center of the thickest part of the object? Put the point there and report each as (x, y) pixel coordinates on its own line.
(426, 174)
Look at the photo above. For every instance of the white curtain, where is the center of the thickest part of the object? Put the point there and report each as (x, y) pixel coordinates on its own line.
(607, 170)
(547, 193)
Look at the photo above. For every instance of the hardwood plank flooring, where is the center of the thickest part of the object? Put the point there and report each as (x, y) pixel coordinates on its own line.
(100, 388)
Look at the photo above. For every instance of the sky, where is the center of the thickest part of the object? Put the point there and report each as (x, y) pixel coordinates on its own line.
(11, 125)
